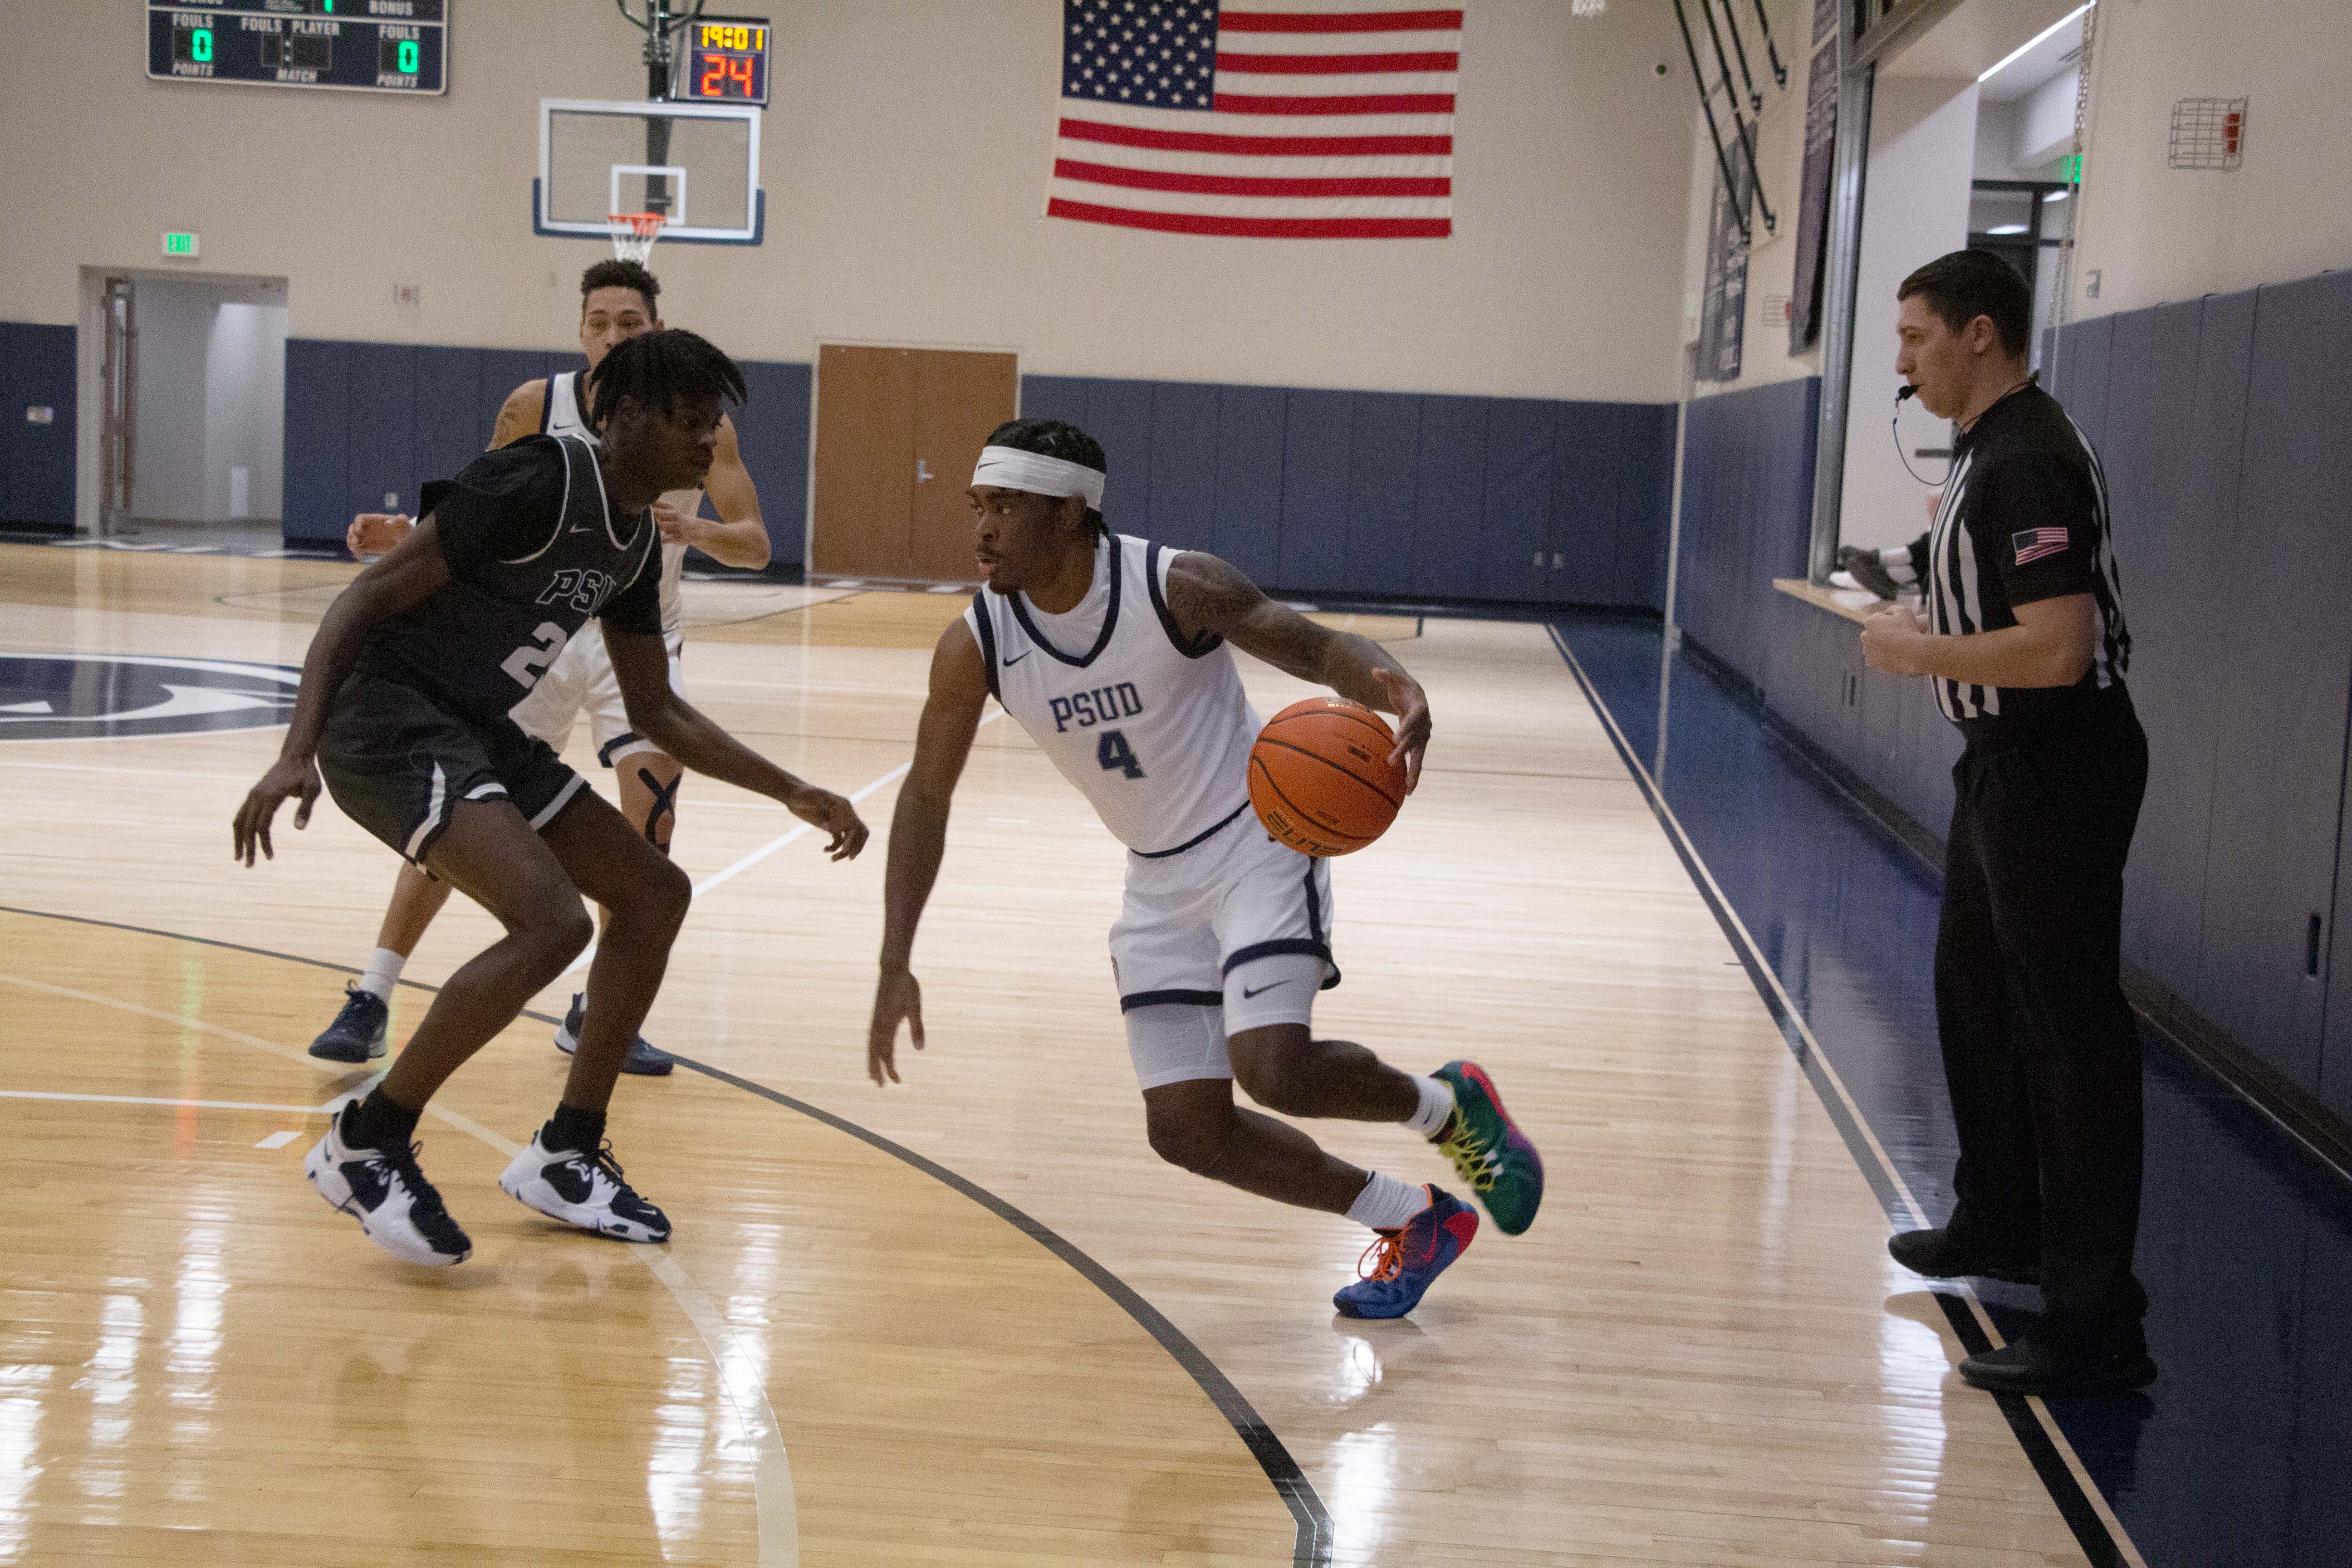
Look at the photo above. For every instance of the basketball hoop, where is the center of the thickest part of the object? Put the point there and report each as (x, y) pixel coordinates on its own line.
(634, 234)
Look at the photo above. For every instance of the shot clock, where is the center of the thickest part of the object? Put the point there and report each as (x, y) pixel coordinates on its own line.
(725, 60)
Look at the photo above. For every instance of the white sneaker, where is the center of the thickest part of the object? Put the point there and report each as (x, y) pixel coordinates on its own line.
(583, 1189)
(384, 1191)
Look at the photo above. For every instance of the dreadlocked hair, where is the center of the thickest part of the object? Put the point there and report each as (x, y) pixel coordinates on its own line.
(1055, 438)
(617, 274)
(659, 370)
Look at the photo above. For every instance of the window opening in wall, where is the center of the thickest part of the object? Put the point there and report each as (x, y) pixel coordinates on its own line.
(2023, 222)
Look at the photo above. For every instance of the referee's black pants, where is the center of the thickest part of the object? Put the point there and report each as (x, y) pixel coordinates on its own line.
(2040, 1049)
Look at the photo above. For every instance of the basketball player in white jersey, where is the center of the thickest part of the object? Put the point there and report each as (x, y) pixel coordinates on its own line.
(618, 300)
(1109, 651)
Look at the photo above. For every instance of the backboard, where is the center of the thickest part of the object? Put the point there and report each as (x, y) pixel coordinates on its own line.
(695, 164)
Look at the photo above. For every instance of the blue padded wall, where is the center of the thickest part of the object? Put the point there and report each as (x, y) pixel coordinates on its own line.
(368, 420)
(1393, 494)
(2171, 458)
(771, 430)
(37, 461)
(2279, 630)
(1748, 498)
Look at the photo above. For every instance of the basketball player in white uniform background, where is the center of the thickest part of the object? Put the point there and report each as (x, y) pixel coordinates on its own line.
(618, 300)
(1109, 651)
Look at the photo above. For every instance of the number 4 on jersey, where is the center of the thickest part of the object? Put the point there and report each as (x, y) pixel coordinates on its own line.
(1112, 753)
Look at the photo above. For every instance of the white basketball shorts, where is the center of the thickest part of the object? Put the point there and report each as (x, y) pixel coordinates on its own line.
(581, 678)
(1230, 935)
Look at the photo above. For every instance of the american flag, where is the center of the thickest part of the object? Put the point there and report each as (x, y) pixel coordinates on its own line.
(2033, 544)
(1282, 119)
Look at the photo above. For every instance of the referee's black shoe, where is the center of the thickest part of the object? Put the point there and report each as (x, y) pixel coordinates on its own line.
(2044, 1364)
(1933, 1254)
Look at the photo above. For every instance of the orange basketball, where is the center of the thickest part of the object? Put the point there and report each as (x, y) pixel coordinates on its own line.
(1321, 778)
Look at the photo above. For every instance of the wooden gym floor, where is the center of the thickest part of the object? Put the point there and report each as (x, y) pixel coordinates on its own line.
(971, 1319)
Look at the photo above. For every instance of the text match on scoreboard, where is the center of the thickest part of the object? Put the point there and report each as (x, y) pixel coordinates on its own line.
(357, 46)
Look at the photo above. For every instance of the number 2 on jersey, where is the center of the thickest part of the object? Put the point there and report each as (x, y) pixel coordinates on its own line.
(527, 663)
(1113, 753)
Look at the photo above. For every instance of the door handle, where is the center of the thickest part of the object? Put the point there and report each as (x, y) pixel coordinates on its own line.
(923, 471)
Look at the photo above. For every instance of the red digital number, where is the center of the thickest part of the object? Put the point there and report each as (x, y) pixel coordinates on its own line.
(740, 69)
(714, 76)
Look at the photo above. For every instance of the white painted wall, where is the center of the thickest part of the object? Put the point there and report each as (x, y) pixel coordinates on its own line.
(1923, 143)
(210, 397)
(906, 160)
(174, 323)
(2154, 233)
(245, 409)
(2042, 124)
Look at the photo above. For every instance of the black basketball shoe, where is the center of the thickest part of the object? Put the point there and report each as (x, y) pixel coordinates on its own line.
(358, 1032)
(645, 1060)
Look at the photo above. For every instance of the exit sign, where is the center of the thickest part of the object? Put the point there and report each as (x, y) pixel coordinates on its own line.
(182, 244)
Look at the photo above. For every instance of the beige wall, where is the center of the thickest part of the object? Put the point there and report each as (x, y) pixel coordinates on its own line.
(2154, 233)
(905, 160)
(1780, 160)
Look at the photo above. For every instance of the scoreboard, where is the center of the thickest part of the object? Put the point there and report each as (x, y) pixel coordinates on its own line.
(362, 46)
(725, 60)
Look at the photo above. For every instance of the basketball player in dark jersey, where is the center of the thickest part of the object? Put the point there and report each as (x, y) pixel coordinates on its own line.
(404, 709)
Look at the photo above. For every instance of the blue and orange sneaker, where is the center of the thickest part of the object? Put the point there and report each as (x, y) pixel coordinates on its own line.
(1405, 1263)
(1489, 1150)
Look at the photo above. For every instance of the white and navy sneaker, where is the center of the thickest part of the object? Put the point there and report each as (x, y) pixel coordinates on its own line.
(358, 1032)
(583, 1189)
(384, 1191)
(645, 1060)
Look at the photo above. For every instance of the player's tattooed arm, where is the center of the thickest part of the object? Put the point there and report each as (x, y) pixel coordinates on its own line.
(1209, 595)
(414, 572)
(918, 834)
(521, 414)
(641, 665)
(739, 538)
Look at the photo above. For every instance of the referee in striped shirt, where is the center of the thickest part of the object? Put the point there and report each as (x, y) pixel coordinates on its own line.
(2025, 638)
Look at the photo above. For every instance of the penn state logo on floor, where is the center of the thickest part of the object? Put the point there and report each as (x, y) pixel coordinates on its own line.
(68, 696)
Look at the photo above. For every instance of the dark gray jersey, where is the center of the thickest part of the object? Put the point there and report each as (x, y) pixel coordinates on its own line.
(534, 554)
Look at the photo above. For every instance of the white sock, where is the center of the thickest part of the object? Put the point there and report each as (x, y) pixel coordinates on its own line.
(383, 969)
(1385, 1204)
(1436, 1105)
(1898, 562)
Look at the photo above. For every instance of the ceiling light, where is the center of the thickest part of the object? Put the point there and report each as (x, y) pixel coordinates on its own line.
(2006, 228)
(2011, 58)
(2054, 197)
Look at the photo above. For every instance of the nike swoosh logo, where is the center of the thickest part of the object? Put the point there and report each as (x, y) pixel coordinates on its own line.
(1247, 993)
(1017, 658)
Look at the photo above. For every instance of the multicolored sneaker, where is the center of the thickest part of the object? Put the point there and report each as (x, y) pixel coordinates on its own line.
(1405, 1263)
(1489, 1150)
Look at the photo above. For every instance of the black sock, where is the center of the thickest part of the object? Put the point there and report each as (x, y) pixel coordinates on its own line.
(573, 1131)
(380, 1121)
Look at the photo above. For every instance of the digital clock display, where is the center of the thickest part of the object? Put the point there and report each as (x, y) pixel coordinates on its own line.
(725, 61)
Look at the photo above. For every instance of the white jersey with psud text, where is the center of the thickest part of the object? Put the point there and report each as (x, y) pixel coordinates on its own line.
(1154, 729)
(560, 417)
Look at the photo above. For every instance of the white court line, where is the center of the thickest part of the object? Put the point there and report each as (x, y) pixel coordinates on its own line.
(277, 1140)
(146, 1100)
(793, 836)
(2090, 1489)
(740, 1380)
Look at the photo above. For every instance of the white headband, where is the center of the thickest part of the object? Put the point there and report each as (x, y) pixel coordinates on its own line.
(1011, 469)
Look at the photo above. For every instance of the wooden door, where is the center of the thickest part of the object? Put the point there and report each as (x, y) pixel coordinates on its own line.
(898, 433)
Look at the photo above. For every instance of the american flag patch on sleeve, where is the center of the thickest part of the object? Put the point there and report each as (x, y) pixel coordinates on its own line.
(2033, 544)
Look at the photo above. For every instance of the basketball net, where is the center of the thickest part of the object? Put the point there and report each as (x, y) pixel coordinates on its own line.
(634, 234)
